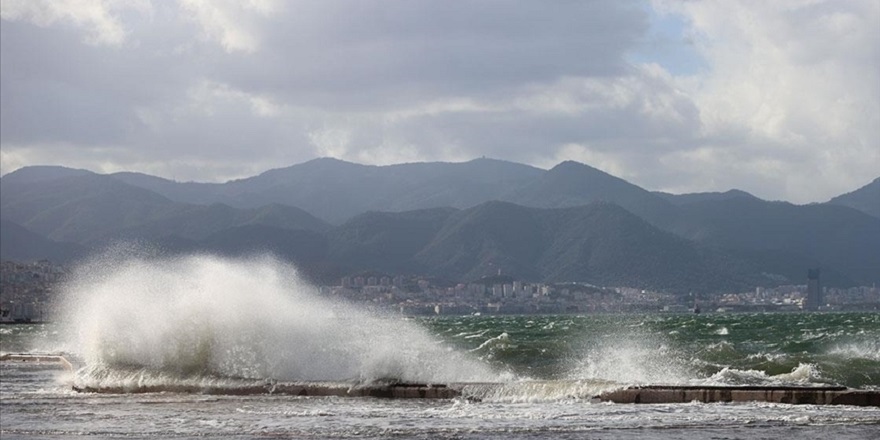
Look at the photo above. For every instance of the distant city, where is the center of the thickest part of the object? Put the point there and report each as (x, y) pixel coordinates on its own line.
(28, 291)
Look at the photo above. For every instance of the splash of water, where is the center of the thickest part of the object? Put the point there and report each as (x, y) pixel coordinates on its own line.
(803, 374)
(868, 350)
(131, 317)
(538, 390)
(631, 357)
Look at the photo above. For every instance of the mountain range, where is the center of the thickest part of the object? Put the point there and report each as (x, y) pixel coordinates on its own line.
(458, 221)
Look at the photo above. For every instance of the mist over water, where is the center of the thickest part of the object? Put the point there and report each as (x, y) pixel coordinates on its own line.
(153, 320)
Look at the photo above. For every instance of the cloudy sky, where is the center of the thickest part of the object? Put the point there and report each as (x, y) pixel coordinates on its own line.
(781, 98)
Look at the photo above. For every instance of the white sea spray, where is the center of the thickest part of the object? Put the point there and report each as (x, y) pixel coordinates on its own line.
(631, 356)
(205, 316)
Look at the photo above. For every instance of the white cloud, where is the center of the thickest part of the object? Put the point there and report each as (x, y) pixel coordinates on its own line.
(206, 96)
(98, 159)
(229, 23)
(98, 18)
(13, 157)
(331, 142)
(791, 96)
(439, 107)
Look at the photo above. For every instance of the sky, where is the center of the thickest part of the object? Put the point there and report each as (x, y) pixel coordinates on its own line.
(780, 99)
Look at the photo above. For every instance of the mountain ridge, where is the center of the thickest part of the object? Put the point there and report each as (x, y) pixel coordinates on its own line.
(371, 204)
(865, 199)
(20, 244)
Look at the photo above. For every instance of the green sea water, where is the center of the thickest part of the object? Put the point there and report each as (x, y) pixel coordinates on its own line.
(734, 349)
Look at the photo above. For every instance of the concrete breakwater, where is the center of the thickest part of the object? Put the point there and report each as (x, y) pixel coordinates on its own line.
(641, 395)
(38, 358)
(656, 394)
(396, 391)
(771, 394)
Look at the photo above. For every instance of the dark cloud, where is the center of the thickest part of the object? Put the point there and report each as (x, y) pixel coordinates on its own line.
(375, 55)
(170, 89)
(211, 90)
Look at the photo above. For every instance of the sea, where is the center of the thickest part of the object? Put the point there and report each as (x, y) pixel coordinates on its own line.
(131, 321)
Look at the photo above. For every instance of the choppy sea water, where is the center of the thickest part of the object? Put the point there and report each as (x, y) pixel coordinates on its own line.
(707, 349)
(565, 359)
(201, 320)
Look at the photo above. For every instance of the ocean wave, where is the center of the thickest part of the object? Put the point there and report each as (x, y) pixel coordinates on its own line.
(475, 335)
(101, 377)
(490, 347)
(203, 316)
(768, 357)
(869, 350)
(721, 347)
(803, 374)
(635, 358)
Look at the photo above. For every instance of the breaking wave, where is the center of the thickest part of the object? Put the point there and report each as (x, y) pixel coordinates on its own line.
(803, 374)
(207, 318)
(868, 350)
(631, 359)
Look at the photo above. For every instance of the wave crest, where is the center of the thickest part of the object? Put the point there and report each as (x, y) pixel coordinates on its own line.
(206, 316)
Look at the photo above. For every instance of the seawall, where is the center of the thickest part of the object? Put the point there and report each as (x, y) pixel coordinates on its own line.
(397, 391)
(657, 394)
(711, 394)
(38, 358)
(630, 395)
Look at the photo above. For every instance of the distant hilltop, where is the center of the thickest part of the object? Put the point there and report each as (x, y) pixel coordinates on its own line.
(458, 221)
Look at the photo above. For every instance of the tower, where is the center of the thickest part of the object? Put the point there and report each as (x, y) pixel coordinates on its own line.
(815, 298)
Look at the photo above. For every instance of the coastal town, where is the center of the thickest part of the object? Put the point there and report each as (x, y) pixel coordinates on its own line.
(28, 291)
